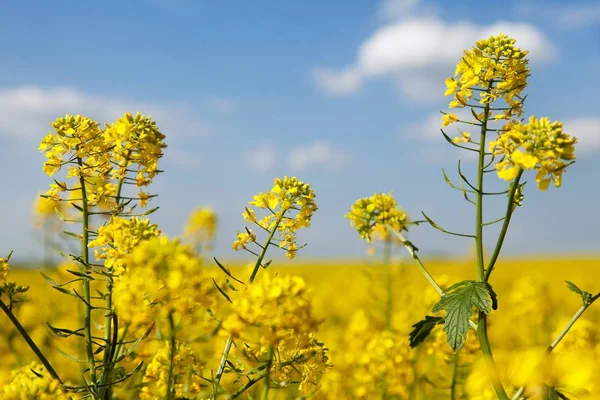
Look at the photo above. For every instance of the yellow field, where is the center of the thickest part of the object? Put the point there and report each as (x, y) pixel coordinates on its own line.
(351, 298)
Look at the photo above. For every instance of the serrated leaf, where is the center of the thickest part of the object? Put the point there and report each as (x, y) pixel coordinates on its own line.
(422, 329)
(458, 304)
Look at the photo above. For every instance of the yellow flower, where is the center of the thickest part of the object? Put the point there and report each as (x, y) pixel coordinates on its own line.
(275, 313)
(376, 213)
(163, 277)
(290, 205)
(186, 374)
(24, 384)
(538, 145)
(201, 227)
(464, 137)
(119, 237)
(447, 119)
(495, 65)
(3, 269)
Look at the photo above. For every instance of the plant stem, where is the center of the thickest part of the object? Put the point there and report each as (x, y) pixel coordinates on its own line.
(482, 325)
(221, 368)
(412, 250)
(561, 335)
(108, 365)
(454, 376)
(36, 350)
(510, 207)
(264, 251)
(172, 351)
(229, 342)
(87, 319)
(489, 358)
(267, 383)
(387, 264)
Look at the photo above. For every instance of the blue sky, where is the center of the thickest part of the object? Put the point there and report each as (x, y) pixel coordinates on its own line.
(344, 95)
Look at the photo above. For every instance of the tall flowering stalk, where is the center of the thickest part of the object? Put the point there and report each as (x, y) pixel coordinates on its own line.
(489, 81)
(101, 163)
(277, 304)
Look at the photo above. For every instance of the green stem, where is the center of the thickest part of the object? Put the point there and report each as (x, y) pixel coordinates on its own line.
(36, 350)
(387, 255)
(264, 251)
(87, 321)
(108, 365)
(561, 335)
(221, 369)
(482, 325)
(172, 351)
(510, 207)
(267, 383)
(454, 376)
(412, 250)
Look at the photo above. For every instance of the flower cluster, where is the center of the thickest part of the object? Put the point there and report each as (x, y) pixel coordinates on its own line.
(303, 357)
(3, 269)
(135, 140)
(186, 374)
(495, 60)
(81, 140)
(374, 364)
(31, 382)
(273, 315)
(119, 237)
(288, 195)
(97, 156)
(374, 214)
(274, 305)
(539, 145)
(163, 277)
(201, 227)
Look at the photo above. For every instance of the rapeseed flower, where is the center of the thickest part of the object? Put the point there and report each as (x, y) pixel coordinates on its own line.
(374, 214)
(495, 68)
(290, 205)
(539, 145)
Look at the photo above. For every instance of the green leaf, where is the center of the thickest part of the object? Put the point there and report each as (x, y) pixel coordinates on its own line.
(422, 329)
(585, 296)
(573, 287)
(221, 290)
(458, 304)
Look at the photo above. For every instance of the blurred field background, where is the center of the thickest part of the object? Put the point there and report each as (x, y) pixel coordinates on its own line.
(351, 298)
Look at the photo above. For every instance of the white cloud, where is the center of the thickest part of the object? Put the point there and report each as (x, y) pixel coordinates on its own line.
(26, 112)
(319, 155)
(587, 132)
(395, 9)
(262, 158)
(337, 82)
(419, 52)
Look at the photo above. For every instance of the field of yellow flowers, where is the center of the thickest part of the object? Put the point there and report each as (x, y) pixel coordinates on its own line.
(368, 361)
(134, 314)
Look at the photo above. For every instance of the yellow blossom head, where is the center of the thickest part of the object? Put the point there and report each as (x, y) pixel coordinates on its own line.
(496, 69)
(539, 145)
(201, 226)
(163, 277)
(376, 214)
(289, 207)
